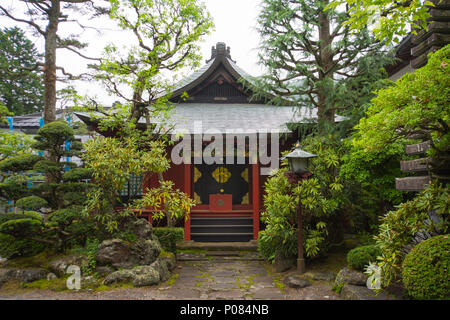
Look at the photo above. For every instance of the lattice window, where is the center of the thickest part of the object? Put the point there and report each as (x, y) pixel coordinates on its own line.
(133, 187)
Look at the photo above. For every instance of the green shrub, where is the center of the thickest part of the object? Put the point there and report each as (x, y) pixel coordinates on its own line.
(169, 237)
(268, 246)
(11, 247)
(33, 214)
(22, 162)
(21, 227)
(425, 269)
(360, 257)
(31, 202)
(14, 216)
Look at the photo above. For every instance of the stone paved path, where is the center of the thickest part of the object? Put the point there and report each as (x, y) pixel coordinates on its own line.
(200, 278)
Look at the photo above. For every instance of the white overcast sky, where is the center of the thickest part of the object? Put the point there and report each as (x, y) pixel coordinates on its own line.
(235, 24)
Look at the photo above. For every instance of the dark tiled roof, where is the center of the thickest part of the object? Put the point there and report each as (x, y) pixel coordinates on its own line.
(220, 118)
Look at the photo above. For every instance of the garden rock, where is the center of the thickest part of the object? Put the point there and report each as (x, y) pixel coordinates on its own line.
(170, 260)
(142, 229)
(282, 263)
(161, 267)
(352, 292)
(120, 254)
(103, 271)
(143, 252)
(59, 265)
(145, 276)
(352, 277)
(51, 276)
(295, 281)
(119, 276)
(113, 252)
(139, 276)
(22, 275)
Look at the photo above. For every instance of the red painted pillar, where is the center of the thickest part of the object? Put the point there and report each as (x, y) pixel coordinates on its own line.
(256, 199)
(187, 189)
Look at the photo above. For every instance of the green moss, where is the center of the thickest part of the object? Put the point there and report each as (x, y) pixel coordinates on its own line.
(338, 287)
(192, 251)
(58, 284)
(280, 285)
(173, 277)
(165, 254)
(40, 260)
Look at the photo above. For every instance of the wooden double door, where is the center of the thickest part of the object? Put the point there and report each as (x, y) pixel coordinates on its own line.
(222, 179)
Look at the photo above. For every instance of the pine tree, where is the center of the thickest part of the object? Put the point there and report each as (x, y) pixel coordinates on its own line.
(21, 88)
(314, 60)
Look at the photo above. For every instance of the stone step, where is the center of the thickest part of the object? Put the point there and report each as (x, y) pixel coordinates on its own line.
(251, 245)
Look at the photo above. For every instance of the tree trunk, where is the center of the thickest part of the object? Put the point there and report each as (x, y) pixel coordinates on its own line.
(325, 110)
(50, 62)
(168, 217)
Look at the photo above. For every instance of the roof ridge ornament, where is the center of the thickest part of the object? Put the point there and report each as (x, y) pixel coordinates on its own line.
(220, 49)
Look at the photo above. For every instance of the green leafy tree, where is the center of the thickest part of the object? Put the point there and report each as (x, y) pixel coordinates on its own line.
(45, 17)
(112, 162)
(63, 194)
(417, 104)
(320, 196)
(389, 19)
(166, 34)
(313, 60)
(21, 88)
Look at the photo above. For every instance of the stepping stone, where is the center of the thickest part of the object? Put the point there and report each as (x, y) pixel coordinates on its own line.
(295, 281)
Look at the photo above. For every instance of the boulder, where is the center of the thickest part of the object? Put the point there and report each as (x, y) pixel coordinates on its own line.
(113, 252)
(59, 265)
(161, 267)
(144, 252)
(121, 254)
(142, 229)
(22, 275)
(170, 260)
(350, 276)
(145, 276)
(352, 292)
(103, 271)
(282, 263)
(140, 276)
(119, 276)
(51, 276)
(296, 281)
(320, 275)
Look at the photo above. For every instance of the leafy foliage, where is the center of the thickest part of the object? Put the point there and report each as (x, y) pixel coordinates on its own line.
(112, 161)
(31, 203)
(165, 199)
(410, 107)
(399, 228)
(312, 59)
(425, 269)
(169, 237)
(390, 20)
(320, 199)
(360, 257)
(21, 88)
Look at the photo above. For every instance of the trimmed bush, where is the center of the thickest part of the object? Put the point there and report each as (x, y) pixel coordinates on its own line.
(360, 257)
(425, 269)
(11, 247)
(22, 162)
(31, 202)
(169, 237)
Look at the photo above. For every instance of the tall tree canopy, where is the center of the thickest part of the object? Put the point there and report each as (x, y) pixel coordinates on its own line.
(313, 59)
(166, 34)
(389, 19)
(44, 16)
(21, 88)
